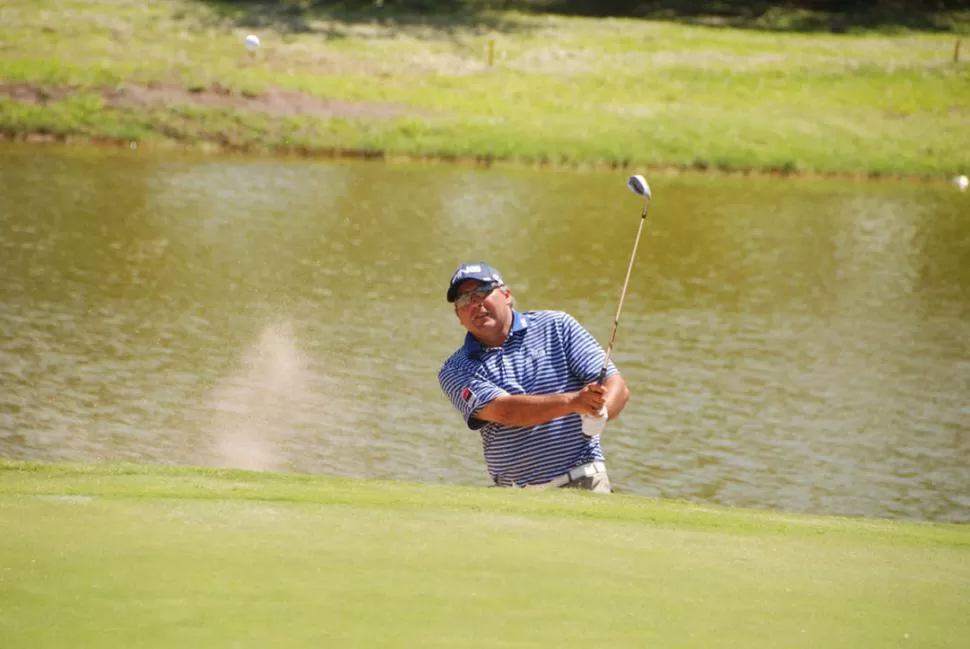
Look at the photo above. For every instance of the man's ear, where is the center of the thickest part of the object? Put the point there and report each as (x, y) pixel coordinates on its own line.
(508, 294)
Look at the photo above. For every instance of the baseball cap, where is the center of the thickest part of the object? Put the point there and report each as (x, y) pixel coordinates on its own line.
(477, 270)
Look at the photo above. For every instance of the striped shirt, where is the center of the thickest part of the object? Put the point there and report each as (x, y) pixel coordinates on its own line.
(546, 352)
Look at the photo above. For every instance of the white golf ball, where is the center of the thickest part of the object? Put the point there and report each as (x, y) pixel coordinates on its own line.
(252, 42)
(961, 182)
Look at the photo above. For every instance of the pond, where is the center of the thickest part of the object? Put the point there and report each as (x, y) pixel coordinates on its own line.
(790, 343)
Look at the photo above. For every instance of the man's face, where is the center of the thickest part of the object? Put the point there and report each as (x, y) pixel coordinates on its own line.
(484, 311)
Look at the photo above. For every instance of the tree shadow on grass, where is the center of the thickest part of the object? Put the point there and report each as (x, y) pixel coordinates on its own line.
(419, 18)
(332, 20)
(786, 16)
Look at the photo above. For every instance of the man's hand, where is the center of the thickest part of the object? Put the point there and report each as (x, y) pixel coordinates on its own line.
(590, 400)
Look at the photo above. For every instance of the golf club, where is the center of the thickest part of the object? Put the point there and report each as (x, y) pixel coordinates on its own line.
(638, 185)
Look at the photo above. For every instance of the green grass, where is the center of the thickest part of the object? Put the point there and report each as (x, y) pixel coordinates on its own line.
(122, 555)
(562, 89)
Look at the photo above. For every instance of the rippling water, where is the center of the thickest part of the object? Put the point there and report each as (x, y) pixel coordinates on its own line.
(789, 343)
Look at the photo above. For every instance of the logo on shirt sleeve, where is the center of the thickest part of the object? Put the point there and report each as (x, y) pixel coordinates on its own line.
(468, 401)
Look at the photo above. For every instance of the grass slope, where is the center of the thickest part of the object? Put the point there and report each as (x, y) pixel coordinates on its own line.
(122, 556)
(561, 89)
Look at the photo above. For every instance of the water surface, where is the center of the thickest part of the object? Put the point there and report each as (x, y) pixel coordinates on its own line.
(795, 344)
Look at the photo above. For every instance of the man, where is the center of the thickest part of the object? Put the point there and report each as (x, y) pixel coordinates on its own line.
(528, 383)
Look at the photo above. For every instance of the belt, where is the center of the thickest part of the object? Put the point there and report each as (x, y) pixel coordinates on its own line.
(580, 472)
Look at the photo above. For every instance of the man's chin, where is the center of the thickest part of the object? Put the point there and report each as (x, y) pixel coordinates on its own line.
(485, 325)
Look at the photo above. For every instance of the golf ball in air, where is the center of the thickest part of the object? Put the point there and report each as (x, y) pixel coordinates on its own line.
(252, 42)
(961, 182)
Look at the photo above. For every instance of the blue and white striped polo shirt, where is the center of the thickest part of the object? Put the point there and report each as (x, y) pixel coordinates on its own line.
(546, 352)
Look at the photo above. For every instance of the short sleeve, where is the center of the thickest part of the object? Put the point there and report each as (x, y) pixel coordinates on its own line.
(584, 354)
(467, 391)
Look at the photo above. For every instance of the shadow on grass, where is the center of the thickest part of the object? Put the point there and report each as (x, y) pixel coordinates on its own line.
(788, 16)
(414, 17)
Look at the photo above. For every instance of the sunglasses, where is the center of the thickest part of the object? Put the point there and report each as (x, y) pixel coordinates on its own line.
(476, 295)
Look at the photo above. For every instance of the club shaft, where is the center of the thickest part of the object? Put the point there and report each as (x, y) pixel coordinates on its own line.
(626, 282)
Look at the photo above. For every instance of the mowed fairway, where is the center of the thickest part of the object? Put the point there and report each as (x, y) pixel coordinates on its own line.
(126, 556)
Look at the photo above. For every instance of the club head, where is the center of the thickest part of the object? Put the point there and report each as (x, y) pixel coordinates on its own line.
(638, 185)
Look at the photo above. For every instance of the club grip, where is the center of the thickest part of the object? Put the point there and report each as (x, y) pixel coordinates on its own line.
(602, 378)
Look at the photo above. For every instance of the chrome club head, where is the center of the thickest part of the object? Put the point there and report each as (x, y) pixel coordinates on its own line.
(638, 185)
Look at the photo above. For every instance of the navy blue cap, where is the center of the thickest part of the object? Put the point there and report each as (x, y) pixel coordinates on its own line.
(477, 270)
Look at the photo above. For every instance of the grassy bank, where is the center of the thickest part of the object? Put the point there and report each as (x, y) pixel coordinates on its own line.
(120, 556)
(559, 89)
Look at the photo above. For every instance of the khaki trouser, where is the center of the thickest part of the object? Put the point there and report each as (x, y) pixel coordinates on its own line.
(591, 476)
(599, 483)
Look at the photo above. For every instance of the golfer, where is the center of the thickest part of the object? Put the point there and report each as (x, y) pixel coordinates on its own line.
(528, 383)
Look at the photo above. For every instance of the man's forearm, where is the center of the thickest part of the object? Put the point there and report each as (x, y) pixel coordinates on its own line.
(617, 394)
(526, 409)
